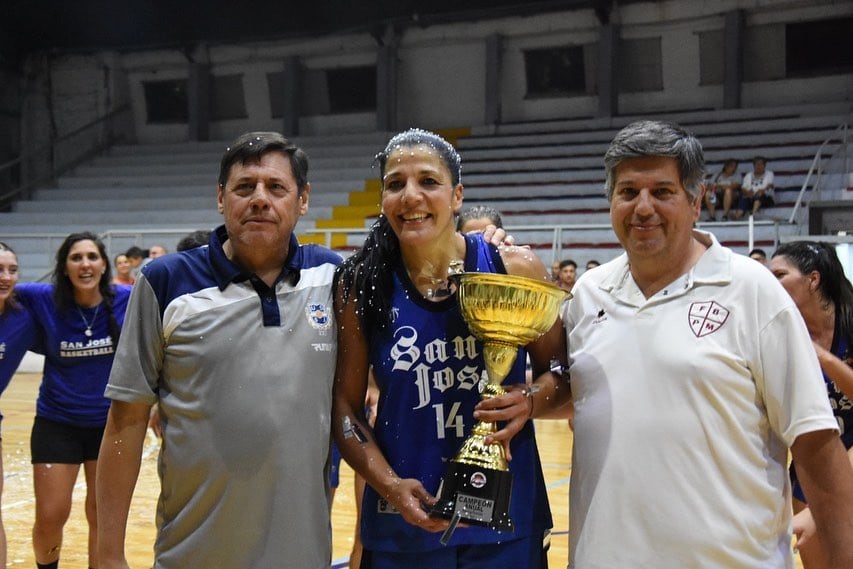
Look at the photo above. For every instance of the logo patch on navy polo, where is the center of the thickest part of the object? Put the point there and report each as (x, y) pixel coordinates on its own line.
(707, 317)
(318, 315)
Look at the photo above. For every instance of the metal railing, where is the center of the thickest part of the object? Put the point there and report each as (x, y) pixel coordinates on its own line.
(41, 164)
(561, 234)
(819, 166)
(561, 237)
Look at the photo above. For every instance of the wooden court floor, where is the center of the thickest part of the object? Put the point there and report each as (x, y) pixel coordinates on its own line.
(18, 407)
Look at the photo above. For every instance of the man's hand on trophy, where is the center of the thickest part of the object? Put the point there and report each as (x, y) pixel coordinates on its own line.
(511, 410)
(410, 498)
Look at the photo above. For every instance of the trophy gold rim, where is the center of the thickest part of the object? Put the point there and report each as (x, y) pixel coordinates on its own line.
(508, 309)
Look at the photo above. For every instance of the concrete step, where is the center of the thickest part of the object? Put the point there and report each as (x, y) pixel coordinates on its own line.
(603, 130)
(325, 145)
(148, 165)
(319, 190)
(115, 219)
(320, 204)
(355, 175)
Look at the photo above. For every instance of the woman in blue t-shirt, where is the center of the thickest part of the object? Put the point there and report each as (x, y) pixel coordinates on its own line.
(17, 335)
(79, 316)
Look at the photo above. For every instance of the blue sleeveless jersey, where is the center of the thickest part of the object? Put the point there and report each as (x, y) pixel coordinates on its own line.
(842, 407)
(18, 333)
(427, 365)
(76, 366)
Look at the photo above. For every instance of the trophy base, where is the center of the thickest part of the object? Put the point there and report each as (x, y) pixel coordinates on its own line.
(476, 496)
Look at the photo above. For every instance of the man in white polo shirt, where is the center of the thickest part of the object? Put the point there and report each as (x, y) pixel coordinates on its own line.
(692, 375)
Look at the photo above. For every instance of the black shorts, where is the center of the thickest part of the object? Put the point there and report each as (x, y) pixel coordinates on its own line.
(58, 443)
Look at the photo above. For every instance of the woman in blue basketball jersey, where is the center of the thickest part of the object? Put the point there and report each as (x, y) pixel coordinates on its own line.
(814, 277)
(398, 315)
(80, 316)
(17, 335)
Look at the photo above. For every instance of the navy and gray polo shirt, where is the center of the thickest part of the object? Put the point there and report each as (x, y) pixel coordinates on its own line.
(243, 376)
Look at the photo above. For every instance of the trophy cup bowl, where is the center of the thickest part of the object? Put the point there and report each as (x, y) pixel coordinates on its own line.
(504, 312)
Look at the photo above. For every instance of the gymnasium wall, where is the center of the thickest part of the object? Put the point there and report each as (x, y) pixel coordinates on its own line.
(673, 49)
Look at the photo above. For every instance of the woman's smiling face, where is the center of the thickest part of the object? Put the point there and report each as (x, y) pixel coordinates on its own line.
(418, 195)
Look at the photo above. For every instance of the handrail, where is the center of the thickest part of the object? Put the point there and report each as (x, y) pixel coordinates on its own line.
(816, 165)
(51, 147)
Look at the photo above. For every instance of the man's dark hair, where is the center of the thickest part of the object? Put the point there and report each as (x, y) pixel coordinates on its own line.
(192, 240)
(136, 252)
(252, 145)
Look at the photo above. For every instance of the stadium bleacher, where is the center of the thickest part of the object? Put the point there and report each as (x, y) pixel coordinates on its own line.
(546, 178)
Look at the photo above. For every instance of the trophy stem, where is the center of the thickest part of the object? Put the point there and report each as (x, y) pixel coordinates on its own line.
(474, 450)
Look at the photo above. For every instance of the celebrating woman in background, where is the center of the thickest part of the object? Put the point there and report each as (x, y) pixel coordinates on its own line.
(17, 334)
(124, 275)
(80, 316)
(814, 277)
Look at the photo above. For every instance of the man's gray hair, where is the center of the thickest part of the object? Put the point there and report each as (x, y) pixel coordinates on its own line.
(657, 138)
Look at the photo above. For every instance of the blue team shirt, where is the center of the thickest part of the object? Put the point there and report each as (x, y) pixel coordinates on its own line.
(427, 365)
(842, 406)
(18, 333)
(76, 367)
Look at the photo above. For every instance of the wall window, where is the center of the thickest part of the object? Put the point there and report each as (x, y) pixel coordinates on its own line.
(226, 97)
(818, 48)
(763, 52)
(338, 91)
(640, 67)
(166, 101)
(555, 71)
(351, 89)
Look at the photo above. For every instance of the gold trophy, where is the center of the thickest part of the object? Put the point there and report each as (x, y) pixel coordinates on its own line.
(504, 312)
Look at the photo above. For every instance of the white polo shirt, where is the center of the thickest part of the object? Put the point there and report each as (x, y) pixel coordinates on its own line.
(685, 406)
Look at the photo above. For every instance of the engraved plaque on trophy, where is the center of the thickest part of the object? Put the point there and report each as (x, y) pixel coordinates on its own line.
(504, 312)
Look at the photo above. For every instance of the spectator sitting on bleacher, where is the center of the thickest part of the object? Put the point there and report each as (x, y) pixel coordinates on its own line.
(757, 189)
(724, 187)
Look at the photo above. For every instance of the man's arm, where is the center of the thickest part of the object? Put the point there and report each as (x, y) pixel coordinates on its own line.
(549, 395)
(118, 469)
(826, 476)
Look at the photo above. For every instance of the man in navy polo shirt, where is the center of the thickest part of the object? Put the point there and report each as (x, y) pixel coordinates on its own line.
(235, 342)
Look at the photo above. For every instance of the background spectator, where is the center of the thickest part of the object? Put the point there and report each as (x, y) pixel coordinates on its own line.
(757, 189)
(194, 239)
(477, 218)
(567, 274)
(723, 190)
